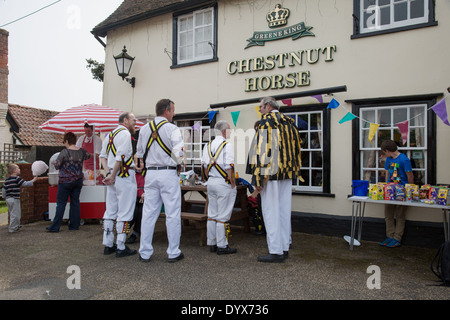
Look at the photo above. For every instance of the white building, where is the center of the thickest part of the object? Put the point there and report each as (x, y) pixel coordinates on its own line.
(384, 61)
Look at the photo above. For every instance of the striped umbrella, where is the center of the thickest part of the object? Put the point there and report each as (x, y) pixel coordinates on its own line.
(104, 119)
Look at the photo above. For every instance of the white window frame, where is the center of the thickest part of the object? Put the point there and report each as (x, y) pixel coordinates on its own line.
(306, 147)
(194, 55)
(194, 142)
(393, 128)
(374, 12)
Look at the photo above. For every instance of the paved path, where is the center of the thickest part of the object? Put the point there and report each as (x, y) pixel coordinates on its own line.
(34, 265)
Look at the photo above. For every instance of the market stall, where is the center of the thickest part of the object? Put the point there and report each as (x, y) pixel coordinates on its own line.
(93, 194)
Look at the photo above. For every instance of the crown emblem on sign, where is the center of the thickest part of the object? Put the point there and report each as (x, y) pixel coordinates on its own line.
(278, 16)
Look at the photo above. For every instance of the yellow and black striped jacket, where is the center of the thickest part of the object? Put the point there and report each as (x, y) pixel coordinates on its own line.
(275, 150)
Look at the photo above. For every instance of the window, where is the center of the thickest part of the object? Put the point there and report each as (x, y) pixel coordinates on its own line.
(419, 145)
(313, 125)
(415, 147)
(381, 16)
(195, 37)
(196, 134)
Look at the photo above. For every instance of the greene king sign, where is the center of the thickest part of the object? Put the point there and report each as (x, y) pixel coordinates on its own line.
(276, 18)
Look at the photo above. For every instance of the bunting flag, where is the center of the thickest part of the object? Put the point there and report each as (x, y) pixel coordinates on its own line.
(333, 104)
(211, 115)
(349, 116)
(373, 129)
(440, 109)
(257, 111)
(287, 102)
(404, 129)
(235, 116)
(197, 126)
(319, 98)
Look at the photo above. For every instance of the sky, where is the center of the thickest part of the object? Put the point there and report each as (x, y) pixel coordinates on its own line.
(48, 51)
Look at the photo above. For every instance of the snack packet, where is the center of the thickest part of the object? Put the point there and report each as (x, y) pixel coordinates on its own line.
(442, 196)
(400, 192)
(389, 191)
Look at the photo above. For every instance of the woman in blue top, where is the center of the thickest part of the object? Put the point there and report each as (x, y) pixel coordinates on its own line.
(70, 166)
(398, 170)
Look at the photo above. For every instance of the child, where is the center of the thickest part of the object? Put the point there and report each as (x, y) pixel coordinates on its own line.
(11, 193)
(398, 170)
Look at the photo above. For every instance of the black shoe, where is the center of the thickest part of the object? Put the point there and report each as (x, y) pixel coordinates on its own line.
(131, 239)
(271, 258)
(125, 252)
(226, 250)
(109, 250)
(172, 260)
(213, 248)
(144, 260)
(286, 254)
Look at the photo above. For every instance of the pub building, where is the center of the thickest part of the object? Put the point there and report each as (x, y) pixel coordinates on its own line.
(382, 63)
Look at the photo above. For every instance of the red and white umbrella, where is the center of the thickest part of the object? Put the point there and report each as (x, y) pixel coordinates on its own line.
(104, 119)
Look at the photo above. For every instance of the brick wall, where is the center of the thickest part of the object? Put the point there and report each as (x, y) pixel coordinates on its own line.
(33, 200)
(4, 66)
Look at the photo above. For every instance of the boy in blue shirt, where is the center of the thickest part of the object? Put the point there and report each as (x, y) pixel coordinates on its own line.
(398, 170)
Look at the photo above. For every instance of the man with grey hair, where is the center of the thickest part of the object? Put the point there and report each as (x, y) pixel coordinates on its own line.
(218, 165)
(274, 160)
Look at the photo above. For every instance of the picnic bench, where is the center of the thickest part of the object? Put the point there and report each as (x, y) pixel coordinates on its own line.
(240, 210)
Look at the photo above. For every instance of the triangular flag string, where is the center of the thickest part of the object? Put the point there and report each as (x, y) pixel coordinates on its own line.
(439, 108)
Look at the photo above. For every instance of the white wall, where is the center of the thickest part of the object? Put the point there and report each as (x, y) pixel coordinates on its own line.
(398, 64)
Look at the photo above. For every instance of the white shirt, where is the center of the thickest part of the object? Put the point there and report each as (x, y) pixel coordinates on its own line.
(170, 134)
(225, 159)
(122, 143)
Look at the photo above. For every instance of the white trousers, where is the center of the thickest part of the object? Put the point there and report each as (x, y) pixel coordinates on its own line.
(276, 206)
(221, 200)
(120, 203)
(161, 186)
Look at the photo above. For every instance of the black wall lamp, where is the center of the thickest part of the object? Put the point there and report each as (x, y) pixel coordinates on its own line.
(123, 63)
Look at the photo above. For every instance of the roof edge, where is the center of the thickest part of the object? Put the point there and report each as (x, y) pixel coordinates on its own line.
(103, 30)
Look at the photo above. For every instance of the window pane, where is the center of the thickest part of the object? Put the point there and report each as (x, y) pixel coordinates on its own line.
(385, 15)
(315, 141)
(417, 9)
(305, 176)
(385, 117)
(303, 123)
(416, 137)
(383, 135)
(369, 159)
(316, 178)
(418, 159)
(305, 159)
(370, 176)
(400, 115)
(316, 159)
(400, 11)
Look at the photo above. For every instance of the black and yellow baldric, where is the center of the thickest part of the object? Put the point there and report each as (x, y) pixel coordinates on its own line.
(154, 136)
(111, 146)
(125, 166)
(213, 161)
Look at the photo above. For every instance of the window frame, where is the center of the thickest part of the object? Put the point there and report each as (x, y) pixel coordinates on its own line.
(175, 35)
(326, 147)
(193, 118)
(430, 129)
(396, 27)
